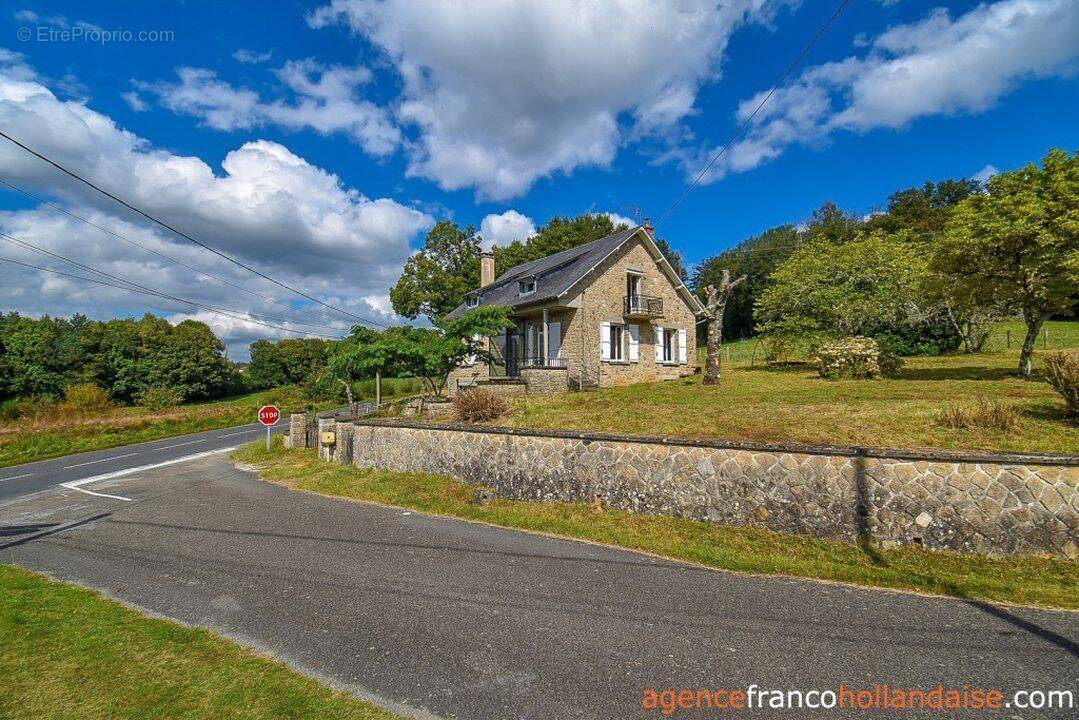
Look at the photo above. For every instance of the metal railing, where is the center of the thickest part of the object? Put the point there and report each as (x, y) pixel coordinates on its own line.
(537, 361)
(642, 305)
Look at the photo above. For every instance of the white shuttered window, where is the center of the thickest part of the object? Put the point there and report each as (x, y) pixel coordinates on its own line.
(634, 342)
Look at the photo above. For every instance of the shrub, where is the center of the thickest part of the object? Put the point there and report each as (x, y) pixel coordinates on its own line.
(160, 397)
(9, 410)
(477, 405)
(929, 337)
(1062, 372)
(84, 398)
(857, 357)
(984, 414)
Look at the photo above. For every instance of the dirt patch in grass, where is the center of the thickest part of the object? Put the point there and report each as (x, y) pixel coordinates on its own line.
(66, 652)
(1032, 581)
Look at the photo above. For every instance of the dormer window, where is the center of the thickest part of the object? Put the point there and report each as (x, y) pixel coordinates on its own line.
(527, 286)
(472, 301)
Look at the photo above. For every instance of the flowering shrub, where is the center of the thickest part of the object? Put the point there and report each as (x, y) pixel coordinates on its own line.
(857, 357)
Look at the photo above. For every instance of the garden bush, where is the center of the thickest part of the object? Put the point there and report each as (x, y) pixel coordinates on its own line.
(984, 414)
(1062, 372)
(478, 405)
(857, 357)
(929, 337)
(160, 397)
(84, 399)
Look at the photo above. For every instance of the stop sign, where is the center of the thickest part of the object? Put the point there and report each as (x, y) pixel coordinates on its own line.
(269, 415)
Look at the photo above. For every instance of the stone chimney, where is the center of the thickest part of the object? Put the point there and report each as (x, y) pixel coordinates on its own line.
(487, 269)
(647, 226)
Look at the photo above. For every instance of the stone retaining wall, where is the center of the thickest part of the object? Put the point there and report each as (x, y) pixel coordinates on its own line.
(981, 502)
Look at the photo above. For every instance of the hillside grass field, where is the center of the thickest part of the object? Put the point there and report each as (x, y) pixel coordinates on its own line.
(55, 435)
(68, 653)
(791, 402)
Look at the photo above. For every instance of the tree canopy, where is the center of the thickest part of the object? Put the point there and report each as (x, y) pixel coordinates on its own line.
(1017, 244)
(861, 287)
(426, 353)
(435, 280)
(123, 357)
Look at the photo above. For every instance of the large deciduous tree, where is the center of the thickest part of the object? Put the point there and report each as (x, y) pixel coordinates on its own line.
(859, 287)
(426, 353)
(436, 278)
(1017, 244)
(716, 297)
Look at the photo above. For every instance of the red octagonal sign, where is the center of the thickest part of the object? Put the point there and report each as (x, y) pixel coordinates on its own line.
(269, 415)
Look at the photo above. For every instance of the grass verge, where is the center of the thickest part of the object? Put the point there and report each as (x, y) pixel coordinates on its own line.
(66, 652)
(1030, 581)
(30, 440)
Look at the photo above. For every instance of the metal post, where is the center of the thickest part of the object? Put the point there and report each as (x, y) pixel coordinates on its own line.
(267, 437)
(1008, 341)
(378, 387)
(1045, 338)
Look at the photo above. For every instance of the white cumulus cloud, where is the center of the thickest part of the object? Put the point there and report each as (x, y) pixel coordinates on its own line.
(265, 205)
(504, 93)
(940, 65)
(503, 229)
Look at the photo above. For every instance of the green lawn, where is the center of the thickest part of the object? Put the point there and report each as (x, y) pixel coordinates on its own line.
(1035, 581)
(68, 653)
(28, 440)
(792, 403)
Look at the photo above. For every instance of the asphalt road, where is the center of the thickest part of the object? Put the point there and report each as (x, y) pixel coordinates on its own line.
(435, 617)
(19, 480)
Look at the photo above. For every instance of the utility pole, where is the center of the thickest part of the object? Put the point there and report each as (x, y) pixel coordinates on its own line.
(716, 305)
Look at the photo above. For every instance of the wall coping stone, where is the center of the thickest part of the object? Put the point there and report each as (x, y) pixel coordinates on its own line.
(886, 453)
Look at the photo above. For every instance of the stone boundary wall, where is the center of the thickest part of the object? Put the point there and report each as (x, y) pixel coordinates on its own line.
(970, 502)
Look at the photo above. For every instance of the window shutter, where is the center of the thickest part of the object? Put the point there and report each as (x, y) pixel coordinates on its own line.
(683, 351)
(554, 340)
(659, 344)
(634, 342)
(605, 341)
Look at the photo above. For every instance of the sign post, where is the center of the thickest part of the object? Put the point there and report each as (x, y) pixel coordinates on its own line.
(268, 416)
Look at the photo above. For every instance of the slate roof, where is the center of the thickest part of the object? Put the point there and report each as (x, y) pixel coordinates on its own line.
(554, 274)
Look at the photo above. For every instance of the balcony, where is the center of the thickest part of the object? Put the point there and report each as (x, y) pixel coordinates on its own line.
(642, 306)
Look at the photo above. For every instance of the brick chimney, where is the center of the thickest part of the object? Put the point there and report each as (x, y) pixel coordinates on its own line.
(487, 269)
(647, 226)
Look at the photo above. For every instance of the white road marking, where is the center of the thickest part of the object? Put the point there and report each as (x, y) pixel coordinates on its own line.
(245, 432)
(96, 494)
(76, 484)
(95, 462)
(193, 442)
(16, 477)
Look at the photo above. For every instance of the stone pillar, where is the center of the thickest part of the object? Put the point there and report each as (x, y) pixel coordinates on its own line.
(297, 431)
(342, 452)
(325, 424)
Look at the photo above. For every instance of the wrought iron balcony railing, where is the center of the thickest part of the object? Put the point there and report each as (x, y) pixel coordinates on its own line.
(642, 306)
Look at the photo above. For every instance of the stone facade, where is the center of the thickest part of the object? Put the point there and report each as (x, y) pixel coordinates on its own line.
(597, 299)
(545, 381)
(988, 503)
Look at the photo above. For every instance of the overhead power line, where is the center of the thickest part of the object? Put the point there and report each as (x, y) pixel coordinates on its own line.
(793, 66)
(136, 287)
(160, 254)
(31, 266)
(184, 235)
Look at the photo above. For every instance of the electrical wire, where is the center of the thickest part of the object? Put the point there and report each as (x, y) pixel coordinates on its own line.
(793, 66)
(165, 256)
(184, 235)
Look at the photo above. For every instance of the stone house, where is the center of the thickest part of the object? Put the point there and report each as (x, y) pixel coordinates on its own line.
(610, 312)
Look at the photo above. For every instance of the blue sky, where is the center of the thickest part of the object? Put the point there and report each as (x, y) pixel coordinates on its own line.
(352, 126)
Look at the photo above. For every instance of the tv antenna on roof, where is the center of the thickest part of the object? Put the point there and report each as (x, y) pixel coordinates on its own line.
(635, 210)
